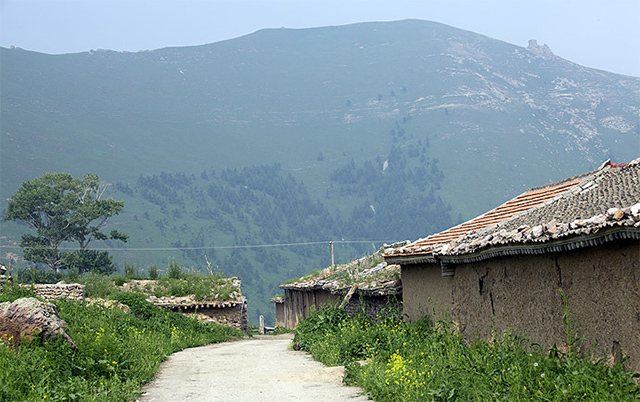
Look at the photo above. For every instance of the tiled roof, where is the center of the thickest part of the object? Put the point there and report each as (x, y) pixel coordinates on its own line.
(510, 208)
(609, 187)
(579, 198)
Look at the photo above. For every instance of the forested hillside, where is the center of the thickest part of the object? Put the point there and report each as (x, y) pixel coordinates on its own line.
(261, 224)
(361, 133)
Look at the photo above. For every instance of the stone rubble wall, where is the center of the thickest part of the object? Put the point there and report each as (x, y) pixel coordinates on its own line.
(375, 306)
(230, 314)
(71, 291)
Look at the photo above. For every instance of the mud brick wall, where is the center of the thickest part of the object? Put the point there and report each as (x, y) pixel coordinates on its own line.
(425, 291)
(602, 285)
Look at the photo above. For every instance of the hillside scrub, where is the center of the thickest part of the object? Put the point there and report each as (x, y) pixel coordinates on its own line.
(117, 352)
(425, 361)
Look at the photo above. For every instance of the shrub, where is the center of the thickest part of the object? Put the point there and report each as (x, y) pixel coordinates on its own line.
(35, 275)
(174, 271)
(72, 276)
(130, 271)
(138, 304)
(153, 272)
(119, 280)
(96, 285)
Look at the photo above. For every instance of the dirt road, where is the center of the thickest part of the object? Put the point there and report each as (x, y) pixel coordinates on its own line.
(258, 369)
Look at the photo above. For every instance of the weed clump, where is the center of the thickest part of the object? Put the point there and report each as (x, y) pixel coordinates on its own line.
(425, 361)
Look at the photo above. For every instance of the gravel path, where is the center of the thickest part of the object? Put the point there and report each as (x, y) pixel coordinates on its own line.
(258, 369)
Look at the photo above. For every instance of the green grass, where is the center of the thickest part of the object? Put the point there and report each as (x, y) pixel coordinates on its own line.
(202, 287)
(117, 352)
(423, 361)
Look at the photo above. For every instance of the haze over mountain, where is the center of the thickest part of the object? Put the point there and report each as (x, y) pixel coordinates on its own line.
(372, 131)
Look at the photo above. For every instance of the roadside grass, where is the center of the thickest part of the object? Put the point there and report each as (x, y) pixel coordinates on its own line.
(396, 361)
(117, 352)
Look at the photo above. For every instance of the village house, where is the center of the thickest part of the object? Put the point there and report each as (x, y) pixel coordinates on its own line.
(567, 247)
(367, 283)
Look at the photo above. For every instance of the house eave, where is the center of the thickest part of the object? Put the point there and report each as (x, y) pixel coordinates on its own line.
(555, 246)
(411, 259)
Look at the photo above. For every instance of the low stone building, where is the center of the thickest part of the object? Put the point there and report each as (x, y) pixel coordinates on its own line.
(576, 241)
(368, 283)
(231, 310)
(232, 313)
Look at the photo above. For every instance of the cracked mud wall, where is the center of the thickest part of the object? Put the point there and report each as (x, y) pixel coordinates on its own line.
(602, 285)
(425, 289)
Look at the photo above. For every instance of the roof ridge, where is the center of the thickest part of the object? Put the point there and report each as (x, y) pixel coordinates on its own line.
(560, 182)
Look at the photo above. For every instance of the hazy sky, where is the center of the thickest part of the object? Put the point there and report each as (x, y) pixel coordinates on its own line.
(595, 33)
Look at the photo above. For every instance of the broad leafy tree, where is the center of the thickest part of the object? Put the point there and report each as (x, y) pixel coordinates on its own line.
(90, 260)
(61, 208)
(92, 213)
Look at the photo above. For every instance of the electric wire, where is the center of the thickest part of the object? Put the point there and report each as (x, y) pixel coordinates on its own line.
(246, 246)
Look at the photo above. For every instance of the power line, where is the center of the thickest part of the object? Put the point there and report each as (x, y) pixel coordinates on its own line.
(247, 246)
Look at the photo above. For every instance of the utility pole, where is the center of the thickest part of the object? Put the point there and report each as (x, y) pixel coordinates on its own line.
(332, 260)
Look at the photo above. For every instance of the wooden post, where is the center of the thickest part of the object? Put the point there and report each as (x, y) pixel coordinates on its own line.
(287, 306)
(332, 259)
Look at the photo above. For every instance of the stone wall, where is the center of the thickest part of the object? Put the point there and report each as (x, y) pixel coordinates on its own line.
(602, 285)
(233, 314)
(71, 291)
(375, 306)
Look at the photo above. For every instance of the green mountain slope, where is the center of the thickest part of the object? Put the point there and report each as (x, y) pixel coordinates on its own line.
(389, 131)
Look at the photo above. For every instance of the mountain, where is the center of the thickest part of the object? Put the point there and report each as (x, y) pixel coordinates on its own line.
(368, 132)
